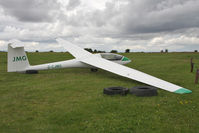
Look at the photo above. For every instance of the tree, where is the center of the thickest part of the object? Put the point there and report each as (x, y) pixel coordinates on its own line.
(101, 51)
(37, 51)
(51, 50)
(95, 51)
(127, 50)
(161, 51)
(89, 50)
(166, 50)
(113, 51)
(195, 50)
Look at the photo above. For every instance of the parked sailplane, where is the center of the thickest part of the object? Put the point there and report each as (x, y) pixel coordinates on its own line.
(18, 62)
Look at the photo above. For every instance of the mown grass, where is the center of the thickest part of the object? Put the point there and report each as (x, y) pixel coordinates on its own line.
(72, 100)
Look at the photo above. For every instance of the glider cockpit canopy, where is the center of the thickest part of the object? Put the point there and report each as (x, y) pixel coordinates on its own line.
(111, 56)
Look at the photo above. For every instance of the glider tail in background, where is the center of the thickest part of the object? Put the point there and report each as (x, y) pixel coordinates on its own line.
(17, 58)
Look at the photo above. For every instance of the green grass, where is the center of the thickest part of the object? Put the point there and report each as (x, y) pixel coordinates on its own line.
(72, 100)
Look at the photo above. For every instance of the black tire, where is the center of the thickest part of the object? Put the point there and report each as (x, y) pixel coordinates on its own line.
(143, 91)
(31, 72)
(94, 69)
(116, 90)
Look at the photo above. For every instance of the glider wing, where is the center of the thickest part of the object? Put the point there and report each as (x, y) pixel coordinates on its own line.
(121, 70)
(134, 74)
(76, 51)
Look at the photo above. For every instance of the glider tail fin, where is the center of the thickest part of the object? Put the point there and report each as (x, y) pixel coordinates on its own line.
(17, 58)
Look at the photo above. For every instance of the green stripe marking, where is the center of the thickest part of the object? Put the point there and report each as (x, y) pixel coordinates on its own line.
(125, 59)
(182, 91)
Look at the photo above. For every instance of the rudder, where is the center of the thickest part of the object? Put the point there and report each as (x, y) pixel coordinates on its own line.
(17, 59)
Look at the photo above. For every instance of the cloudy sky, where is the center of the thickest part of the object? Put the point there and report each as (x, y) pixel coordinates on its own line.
(140, 25)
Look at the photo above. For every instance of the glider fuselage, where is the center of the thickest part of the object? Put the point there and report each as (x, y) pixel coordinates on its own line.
(75, 63)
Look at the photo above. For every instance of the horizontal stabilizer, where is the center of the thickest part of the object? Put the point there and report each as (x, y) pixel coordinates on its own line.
(16, 45)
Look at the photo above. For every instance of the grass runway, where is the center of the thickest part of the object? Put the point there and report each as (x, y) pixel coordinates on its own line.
(72, 100)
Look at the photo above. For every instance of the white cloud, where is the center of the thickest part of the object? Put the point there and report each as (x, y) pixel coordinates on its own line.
(3, 45)
(147, 25)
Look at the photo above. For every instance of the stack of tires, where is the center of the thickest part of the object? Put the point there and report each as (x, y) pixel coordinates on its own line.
(141, 91)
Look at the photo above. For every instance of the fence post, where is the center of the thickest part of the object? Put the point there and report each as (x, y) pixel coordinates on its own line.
(197, 76)
(192, 64)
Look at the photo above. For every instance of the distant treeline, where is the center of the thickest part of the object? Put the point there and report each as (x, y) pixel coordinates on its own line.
(115, 51)
(98, 51)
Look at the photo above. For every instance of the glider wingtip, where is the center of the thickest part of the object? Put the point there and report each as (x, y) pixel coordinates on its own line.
(182, 91)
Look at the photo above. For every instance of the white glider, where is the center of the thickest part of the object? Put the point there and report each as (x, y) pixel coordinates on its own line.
(18, 62)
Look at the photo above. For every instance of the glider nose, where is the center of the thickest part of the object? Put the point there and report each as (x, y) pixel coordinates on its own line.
(126, 60)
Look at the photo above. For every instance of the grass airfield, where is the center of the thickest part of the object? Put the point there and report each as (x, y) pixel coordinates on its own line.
(72, 100)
